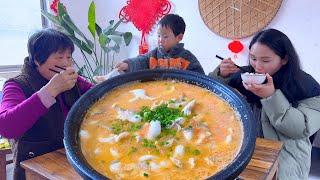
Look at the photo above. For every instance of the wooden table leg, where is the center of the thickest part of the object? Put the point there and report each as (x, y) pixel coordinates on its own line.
(3, 174)
(274, 170)
(275, 177)
(3, 163)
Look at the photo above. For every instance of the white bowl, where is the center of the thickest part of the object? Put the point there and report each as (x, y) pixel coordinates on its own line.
(113, 73)
(253, 78)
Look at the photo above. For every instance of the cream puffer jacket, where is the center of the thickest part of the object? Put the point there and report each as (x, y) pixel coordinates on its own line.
(292, 126)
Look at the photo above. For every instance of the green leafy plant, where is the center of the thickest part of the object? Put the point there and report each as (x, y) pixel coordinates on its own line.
(98, 51)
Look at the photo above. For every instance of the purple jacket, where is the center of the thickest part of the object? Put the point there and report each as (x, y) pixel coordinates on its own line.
(18, 114)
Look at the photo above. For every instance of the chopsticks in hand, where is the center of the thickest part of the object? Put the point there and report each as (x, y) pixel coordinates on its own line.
(219, 57)
(62, 68)
(241, 68)
(54, 70)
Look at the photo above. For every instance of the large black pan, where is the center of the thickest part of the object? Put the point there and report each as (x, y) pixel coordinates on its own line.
(76, 114)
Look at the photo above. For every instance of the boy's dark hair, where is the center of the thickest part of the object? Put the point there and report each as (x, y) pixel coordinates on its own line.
(174, 22)
(45, 42)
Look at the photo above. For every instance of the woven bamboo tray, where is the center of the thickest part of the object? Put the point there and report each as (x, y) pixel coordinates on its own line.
(236, 19)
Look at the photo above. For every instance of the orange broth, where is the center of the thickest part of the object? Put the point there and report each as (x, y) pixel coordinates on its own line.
(212, 118)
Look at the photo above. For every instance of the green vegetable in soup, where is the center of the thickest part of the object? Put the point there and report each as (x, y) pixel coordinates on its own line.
(148, 143)
(132, 150)
(117, 128)
(162, 113)
(134, 127)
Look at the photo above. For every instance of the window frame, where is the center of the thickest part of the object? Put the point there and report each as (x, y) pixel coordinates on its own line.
(45, 23)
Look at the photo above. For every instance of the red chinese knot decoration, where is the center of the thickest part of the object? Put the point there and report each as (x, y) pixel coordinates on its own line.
(54, 6)
(235, 46)
(144, 14)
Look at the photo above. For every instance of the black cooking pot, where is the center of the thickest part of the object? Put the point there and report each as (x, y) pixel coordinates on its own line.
(77, 112)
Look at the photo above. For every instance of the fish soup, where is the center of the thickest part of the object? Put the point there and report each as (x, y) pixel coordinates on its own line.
(160, 130)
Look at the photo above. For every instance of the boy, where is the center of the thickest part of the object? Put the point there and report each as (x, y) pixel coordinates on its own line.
(169, 54)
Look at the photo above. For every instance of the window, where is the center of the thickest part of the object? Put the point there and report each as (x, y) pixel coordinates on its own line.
(18, 20)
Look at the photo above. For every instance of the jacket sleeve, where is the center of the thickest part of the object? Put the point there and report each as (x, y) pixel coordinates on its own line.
(194, 63)
(84, 85)
(299, 122)
(18, 113)
(216, 74)
(140, 62)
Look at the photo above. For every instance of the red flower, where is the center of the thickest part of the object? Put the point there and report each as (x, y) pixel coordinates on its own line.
(54, 6)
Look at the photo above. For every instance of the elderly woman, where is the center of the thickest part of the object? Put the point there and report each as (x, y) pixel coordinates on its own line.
(36, 102)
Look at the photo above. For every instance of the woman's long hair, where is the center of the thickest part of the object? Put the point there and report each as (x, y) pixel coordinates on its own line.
(290, 79)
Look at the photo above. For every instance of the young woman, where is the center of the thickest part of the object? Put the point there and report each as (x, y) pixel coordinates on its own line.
(286, 106)
(36, 102)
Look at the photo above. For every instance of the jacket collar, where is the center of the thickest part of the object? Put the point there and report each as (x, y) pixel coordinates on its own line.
(175, 50)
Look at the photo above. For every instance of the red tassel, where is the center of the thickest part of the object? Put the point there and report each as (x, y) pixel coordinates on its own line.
(144, 14)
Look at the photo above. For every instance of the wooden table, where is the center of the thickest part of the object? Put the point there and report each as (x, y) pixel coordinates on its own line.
(3, 163)
(54, 165)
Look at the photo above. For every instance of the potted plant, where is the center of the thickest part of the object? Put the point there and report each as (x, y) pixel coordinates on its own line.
(98, 51)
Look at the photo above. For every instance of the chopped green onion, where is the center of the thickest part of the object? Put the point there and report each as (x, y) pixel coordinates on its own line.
(145, 174)
(162, 113)
(148, 143)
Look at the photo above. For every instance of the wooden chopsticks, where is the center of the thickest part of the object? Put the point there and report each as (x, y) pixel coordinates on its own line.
(62, 68)
(241, 68)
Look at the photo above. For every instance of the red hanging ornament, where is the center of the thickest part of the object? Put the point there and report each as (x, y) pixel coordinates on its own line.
(54, 6)
(235, 46)
(144, 14)
(143, 47)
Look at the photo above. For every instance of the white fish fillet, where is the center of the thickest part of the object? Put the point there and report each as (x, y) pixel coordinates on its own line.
(114, 152)
(147, 158)
(188, 133)
(84, 134)
(179, 151)
(115, 167)
(228, 139)
(121, 136)
(191, 162)
(176, 162)
(110, 139)
(140, 94)
(154, 129)
(124, 115)
(187, 108)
